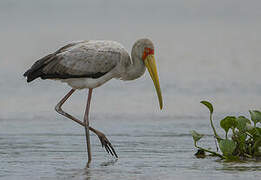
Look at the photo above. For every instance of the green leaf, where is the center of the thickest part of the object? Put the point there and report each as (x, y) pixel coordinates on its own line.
(242, 123)
(196, 136)
(255, 116)
(208, 105)
(242, 138)
(228, 122)
(227, 147)
(255, 132)
(252, 131)
(258, 131)
(257, 147)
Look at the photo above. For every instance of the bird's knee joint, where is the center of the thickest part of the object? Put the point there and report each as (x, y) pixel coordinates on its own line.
(58, 108)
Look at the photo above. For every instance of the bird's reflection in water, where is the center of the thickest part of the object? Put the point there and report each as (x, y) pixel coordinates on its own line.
(87, 173)
(110, 162)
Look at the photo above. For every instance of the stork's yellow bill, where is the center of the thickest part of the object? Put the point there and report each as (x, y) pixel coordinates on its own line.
(152, 68)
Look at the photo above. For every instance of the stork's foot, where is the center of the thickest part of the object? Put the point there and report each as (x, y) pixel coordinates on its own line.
(106, 144)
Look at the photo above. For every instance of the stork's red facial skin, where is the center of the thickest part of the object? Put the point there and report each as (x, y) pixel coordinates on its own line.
(146, 52)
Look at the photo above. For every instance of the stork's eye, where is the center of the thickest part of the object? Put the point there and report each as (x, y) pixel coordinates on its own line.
(146, 52)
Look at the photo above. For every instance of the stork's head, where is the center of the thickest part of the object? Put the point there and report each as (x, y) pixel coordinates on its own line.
(144, 49)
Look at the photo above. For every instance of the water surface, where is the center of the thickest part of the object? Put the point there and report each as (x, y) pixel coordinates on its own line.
(148, 148)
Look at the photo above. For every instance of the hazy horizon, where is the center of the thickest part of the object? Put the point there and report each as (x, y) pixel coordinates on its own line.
(204, 49)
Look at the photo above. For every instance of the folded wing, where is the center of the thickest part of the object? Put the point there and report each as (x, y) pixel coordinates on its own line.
(90, 59)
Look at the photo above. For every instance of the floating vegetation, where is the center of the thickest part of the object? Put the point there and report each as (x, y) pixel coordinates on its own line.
(245, 140)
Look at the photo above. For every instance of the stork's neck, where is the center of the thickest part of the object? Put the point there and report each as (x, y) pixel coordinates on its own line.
(136, 68)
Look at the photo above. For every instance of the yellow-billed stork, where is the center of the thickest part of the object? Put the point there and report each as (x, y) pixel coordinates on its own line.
(89, 64)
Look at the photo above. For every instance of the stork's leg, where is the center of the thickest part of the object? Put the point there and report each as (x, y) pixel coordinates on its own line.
(86, 122)
(104, 141)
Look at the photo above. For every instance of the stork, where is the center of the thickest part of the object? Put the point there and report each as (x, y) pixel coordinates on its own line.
(89, 64)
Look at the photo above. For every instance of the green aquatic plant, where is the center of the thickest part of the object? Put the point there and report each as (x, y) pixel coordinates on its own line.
(245, 139)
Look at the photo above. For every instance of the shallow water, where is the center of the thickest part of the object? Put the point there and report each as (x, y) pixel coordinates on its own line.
(204, 50)
(148, 148)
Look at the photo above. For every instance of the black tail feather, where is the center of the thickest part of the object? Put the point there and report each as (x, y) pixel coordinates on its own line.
(36, 70)
(32, 75)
